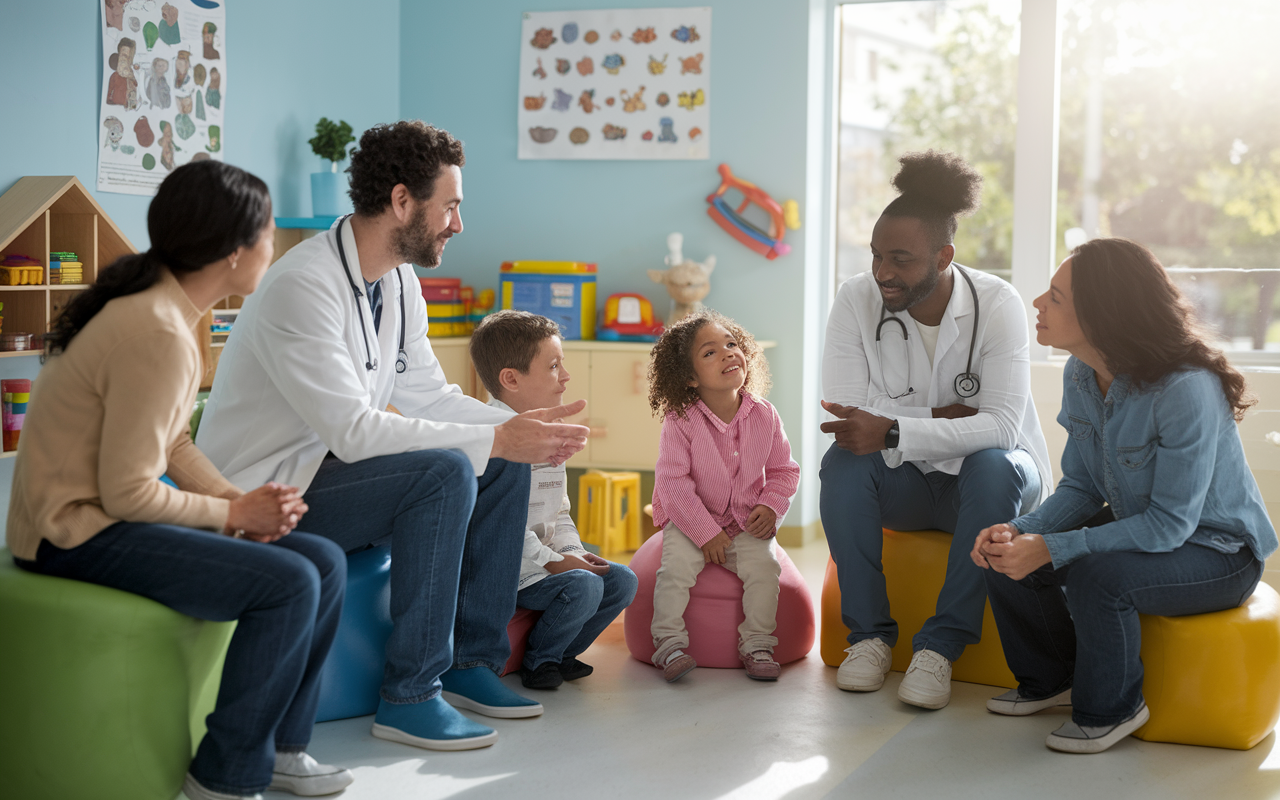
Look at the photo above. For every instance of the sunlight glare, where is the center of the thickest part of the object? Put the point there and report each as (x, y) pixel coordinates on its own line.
(781, 779)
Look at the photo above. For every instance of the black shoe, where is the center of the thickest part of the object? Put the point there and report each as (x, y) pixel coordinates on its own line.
(544, 676)
(571, 669)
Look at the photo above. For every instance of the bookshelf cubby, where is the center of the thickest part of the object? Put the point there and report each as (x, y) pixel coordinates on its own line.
(43, 213)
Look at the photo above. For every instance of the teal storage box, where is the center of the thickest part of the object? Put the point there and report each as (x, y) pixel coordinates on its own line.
(563, 291)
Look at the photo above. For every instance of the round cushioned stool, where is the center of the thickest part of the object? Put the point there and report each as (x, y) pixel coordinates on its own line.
(352, 674)
(915, 563)
(715, 611)
(103, 693)
(1213, 679)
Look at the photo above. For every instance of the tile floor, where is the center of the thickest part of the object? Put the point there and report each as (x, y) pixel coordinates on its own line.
(624, 733)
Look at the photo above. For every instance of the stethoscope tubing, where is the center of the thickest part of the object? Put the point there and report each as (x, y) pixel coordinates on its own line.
(967, 383)
(371, 363)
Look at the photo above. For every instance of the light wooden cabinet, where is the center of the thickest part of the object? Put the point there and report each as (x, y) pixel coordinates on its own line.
(40, 214)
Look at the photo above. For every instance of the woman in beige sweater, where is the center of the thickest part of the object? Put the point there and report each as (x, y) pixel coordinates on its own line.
(108, 417)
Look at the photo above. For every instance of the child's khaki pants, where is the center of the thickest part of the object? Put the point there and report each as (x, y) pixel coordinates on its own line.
(753, 560)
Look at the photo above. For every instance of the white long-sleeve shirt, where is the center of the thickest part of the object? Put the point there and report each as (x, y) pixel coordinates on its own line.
(549, 532)
(858, 371)
(292, 383)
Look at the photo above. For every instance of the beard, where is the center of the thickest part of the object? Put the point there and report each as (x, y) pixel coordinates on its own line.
(414, 243)
(914, 293)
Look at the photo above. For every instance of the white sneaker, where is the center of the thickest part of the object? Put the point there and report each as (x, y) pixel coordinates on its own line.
(300, 774)
(1012, 704)
(1073, 738)
(194, 790)
(927, 683)
(866, 665)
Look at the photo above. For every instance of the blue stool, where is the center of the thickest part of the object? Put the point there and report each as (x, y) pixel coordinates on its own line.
(352, 673)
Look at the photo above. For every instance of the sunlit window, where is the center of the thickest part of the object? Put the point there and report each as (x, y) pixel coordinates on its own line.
(1169, 135)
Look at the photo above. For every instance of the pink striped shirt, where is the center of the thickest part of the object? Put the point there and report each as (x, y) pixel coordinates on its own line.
(711, 474)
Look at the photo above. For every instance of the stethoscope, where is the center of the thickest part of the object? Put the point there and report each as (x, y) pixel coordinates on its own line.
(371, 363)
(966, 383)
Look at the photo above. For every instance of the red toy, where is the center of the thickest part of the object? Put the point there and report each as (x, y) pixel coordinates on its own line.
(767, 243)
(628, 317)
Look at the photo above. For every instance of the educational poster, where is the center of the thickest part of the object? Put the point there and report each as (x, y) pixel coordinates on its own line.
(164, 83)
(618, 84)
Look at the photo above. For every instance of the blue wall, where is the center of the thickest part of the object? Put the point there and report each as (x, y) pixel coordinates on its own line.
(460, 72)
(455, 65)
(291, 65)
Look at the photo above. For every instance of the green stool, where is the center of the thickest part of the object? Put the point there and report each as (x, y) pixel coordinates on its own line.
(104, 693)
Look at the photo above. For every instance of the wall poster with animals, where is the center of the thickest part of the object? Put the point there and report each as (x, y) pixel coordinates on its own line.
(164, 83)
(615, 84)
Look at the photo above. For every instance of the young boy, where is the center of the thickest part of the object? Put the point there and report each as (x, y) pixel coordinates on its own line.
(519, 358)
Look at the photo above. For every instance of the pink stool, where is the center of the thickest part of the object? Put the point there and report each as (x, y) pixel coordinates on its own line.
(715, 611)
(518, 632)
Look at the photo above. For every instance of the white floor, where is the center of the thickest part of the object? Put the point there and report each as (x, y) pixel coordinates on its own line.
(624, 733)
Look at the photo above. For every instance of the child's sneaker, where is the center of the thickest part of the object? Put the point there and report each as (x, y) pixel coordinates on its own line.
(544, 676)
(571, 669)
(679, 665)
(760, 665)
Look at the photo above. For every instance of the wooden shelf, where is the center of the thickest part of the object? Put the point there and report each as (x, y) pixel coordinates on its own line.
(16, 353)
(9, 454)
(67, 287)
(28, 288)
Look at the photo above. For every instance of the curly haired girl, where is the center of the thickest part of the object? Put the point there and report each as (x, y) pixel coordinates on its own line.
(724, 468)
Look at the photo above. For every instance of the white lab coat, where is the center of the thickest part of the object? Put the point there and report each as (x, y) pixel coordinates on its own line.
(853, 375)
(292, 383)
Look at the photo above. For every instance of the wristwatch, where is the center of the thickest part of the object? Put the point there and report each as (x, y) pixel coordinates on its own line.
(891, 436)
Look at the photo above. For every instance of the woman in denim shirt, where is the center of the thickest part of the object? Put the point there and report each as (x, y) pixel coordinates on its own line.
(1156, 513)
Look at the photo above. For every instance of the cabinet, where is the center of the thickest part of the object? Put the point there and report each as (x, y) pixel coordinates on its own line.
(612, 377)
(43, 213)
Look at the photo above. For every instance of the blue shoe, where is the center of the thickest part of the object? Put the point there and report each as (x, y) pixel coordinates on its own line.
(478, 689)
(432, 724)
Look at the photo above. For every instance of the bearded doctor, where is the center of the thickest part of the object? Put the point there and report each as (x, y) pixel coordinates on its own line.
(337, 331)
(927, 370)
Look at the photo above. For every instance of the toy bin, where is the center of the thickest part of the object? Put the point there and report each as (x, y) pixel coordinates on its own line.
(563, 291)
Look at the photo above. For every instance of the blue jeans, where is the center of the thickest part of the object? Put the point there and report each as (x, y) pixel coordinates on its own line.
(286, 597)
(455, 555)
(861, 496)
(577, 606)
(1088, 638)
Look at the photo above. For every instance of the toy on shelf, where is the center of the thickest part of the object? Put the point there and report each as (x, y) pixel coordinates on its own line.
(16, 393)
(628, 317)
(767, 243)
(563, 291)
(687, 281)
(20, 270)
(452, 309)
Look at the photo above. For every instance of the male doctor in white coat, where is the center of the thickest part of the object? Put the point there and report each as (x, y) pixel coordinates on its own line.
(337, 331)
(927, 370)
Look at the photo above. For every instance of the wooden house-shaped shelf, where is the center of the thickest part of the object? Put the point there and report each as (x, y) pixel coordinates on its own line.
(53, 213)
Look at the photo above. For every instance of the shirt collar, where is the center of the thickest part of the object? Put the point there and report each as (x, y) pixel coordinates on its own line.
(1085, 378)
(190, 313)
(744, 410)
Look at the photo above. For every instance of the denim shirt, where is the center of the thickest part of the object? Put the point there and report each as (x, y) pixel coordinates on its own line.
(1167, 456)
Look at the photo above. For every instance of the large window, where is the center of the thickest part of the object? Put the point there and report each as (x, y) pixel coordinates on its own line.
(1169, 135)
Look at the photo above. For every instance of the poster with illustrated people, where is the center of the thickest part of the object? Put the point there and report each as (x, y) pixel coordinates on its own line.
(163, 89)
(615, 84)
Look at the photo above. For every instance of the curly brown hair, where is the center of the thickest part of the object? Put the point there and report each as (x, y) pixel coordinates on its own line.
(1136, 317)
(671, 363)
(409, 152)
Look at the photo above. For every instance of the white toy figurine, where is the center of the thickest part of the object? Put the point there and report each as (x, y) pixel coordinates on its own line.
(687, 281)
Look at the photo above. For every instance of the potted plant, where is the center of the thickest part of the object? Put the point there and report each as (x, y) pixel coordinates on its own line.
(329, 189)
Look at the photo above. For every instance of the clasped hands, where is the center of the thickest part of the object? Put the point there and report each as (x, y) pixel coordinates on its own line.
(587, 561)
(761, 524)
(265, 514)
(1007, 551)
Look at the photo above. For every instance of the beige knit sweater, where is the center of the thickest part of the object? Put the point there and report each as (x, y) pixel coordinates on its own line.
(107, 418)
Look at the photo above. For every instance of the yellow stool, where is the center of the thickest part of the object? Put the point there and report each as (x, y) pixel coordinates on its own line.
(1213, 679)
(609, 510)
(915, 563)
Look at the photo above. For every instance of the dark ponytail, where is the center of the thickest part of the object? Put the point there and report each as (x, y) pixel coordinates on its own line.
(203, 212)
